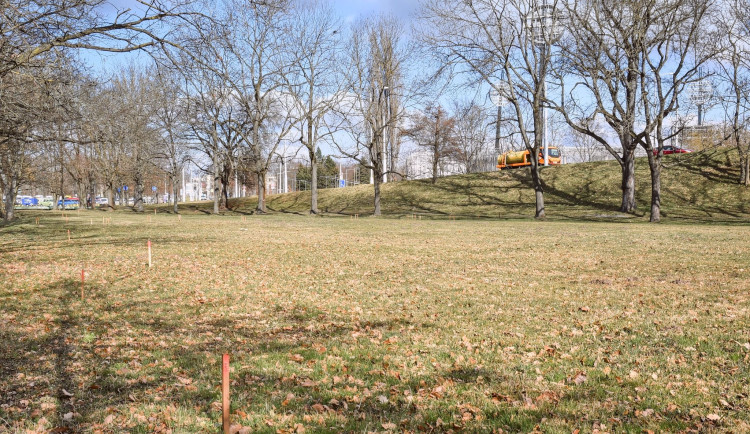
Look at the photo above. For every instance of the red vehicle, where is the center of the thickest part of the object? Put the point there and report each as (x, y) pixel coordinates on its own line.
(669, 149)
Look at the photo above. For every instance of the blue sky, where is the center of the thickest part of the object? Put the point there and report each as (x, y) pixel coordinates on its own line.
(349, 10)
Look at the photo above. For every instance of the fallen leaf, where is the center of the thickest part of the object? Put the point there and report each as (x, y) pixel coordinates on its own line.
(580, 378)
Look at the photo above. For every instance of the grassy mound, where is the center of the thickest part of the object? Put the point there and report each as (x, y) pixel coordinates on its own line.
(695, 187)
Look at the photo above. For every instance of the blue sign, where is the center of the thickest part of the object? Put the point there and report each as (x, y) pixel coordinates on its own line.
(342, 182)
(153, 188)
(125, 187)
(118, 189)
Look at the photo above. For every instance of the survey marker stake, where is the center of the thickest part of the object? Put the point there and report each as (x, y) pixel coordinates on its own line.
(148, 244)
(225, 393)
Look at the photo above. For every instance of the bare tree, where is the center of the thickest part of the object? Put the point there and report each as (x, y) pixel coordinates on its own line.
(171, 117)
(585, 148)
(313, 81)
(434, 130)
(373, 75)
(135, 91)
(103, 129)
(734, 75)
(504, 44)
(242, 51)
(35, 35)
(471, 132)
(619, 53)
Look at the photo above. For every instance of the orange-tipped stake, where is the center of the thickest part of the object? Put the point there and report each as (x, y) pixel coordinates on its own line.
(225, 393)
(148, 244)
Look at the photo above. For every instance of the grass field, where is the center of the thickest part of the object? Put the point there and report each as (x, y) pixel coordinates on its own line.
(373, 325)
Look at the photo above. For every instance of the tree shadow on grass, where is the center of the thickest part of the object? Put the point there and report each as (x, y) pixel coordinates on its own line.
(26, 356)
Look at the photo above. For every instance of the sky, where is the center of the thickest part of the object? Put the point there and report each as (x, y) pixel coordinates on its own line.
(351, 9)
(348, 10)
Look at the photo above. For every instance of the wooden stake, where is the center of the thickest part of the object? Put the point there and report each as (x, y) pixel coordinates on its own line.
(68, 234)
(83, 279)
(148, 244)
(91, 222)
(179, 217)
(225, 393)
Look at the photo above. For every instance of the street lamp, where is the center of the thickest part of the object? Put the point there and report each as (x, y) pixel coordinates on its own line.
(543, 28)
(498, 97)
(700, 92)
(386, 141)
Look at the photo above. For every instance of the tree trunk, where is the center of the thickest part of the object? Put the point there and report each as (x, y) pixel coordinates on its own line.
(435, 160)
(62, 189)
(92, 190)
(377, 181)
(138, 196)
(110, 198)
(628, 181)
(217, 183)
(745, 169)
(654, 163)
(175, 189)
(9, 192)
(313, 182)
(261, 208)
(538, 189)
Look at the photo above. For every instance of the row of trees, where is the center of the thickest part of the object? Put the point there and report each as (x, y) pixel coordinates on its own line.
(624, 65)
(232, 82)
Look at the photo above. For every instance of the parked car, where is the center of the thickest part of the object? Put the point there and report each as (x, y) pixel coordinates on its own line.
(69, 203)
(669, 149)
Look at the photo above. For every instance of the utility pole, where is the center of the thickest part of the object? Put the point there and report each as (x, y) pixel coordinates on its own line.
(387, 126)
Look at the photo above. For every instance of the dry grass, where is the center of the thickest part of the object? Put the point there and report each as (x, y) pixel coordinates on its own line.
(344, 325)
